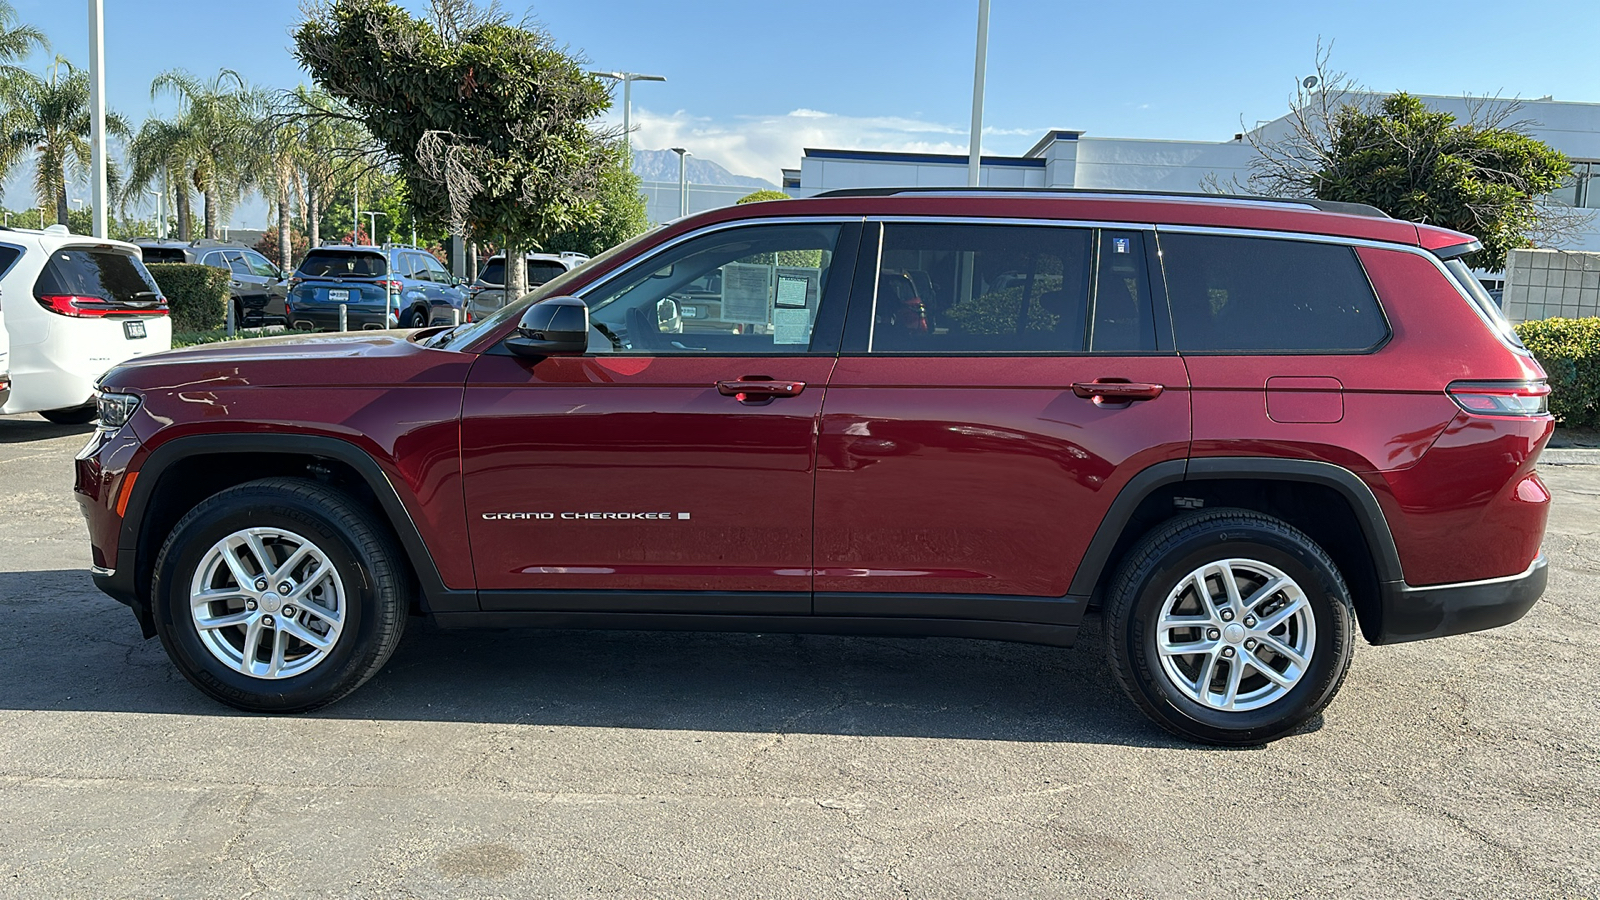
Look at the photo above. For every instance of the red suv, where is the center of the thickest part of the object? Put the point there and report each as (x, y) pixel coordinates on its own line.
(1238, 427)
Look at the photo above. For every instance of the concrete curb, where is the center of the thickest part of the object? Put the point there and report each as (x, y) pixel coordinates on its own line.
(1570, 456)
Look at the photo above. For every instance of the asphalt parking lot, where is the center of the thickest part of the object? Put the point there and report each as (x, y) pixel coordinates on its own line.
(629, 764)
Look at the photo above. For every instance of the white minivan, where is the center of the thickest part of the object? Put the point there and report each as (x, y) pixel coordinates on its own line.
(74, 306)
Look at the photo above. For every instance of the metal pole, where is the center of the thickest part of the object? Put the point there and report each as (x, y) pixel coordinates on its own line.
(683, 181)
(97, 112)
(355, 220)
(228, 324)
(979, 65)
(627, 118)
(344, 317)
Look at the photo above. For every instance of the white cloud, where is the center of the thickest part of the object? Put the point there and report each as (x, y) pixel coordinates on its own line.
(761, 145)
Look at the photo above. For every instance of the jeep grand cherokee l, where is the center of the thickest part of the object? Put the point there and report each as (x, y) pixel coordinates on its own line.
(1240, 428)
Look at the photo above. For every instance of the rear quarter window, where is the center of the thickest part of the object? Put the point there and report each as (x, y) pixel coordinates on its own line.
(343, 264)
(541, 271)
(1267, 295)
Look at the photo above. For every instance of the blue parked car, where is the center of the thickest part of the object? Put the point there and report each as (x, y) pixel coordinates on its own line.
(381, 287)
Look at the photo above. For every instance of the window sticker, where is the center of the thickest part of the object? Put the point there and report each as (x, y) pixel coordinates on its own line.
(792, 291)
(746, 293)
(791, 326)
(1120, 245)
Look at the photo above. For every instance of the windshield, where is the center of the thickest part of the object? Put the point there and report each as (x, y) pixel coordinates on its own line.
(462, 335)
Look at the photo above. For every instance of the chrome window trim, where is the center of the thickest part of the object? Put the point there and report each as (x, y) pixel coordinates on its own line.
(659, 249)
(1438, 263)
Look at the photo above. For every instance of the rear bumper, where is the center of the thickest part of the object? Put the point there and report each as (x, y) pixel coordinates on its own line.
(357, 317)
(1419, 613)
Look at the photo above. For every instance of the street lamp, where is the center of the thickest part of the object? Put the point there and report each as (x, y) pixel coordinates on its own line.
(372, 225)
(627, 79)
(980, 60)
(683, 181)
(161, 213)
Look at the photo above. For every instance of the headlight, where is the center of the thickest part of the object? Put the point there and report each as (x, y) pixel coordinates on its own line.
(116, 410)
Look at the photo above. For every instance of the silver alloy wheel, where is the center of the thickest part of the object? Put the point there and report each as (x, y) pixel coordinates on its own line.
(1235, 635)
(267, 603)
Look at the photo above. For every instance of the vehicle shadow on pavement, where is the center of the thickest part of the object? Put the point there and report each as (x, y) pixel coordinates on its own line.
(29, 428)
(70, 648)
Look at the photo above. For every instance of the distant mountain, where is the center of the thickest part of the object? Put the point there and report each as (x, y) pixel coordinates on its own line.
(662, 165)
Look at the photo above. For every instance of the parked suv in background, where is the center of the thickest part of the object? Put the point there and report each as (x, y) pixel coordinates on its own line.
(256, 288)
(381, 287)
(74, 307)
(488, 292)
(1241, 428)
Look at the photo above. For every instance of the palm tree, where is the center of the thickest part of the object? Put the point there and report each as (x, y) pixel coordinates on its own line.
(160, 154)
(218, 121)
(16, 42)
(276, 167)
(331, 145)
(50, 120)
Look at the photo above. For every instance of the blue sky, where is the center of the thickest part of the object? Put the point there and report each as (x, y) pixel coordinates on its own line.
(751, 83)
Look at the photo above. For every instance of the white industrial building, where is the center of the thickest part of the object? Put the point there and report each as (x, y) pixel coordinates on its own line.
(1074, 159)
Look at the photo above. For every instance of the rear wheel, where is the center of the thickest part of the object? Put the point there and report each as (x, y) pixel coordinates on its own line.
(1229, 627)
(77, 415)
(280, 595)
(416, 318)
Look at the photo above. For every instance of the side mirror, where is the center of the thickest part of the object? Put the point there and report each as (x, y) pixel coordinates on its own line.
(555, 326)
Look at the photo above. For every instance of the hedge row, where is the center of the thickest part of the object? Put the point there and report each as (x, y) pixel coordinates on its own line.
(196, 295)
(1569, 351)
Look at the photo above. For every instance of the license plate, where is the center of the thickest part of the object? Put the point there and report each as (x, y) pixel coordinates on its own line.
(133, 329)
(338, 296)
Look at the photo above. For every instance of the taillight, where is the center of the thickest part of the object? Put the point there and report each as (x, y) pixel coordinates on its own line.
(89, 307)
(294, 282)
(392, 287)
(1501, 398)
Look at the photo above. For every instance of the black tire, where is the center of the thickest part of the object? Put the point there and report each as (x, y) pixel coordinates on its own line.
(1162, 560)
(238, 313)
(416, 318)
(77, 415)
(360, 549)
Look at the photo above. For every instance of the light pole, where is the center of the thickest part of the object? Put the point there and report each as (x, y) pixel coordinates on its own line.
(683, 181)
(627, 79)
(372, 225)
(979, 65)
(97, 112)
(161, 216)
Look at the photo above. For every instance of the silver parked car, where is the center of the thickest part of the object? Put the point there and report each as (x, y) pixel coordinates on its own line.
(488, 293)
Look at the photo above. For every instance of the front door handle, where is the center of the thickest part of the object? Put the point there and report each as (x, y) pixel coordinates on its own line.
(758, 388)
(1117, 391)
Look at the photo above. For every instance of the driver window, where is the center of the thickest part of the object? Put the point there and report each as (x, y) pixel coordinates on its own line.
(743, 291)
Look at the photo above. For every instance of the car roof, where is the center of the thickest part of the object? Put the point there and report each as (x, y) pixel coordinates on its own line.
(1280, 214)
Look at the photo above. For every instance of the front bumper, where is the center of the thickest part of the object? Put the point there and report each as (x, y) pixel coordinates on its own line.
(1418, 613)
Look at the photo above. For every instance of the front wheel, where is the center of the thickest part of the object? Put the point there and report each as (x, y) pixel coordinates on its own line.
(1229, 626)
(280, 595)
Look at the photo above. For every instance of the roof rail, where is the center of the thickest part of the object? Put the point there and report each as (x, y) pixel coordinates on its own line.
(390, 245)
(1333, 206)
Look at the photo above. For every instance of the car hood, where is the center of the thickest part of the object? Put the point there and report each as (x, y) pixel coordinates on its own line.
(365, 358)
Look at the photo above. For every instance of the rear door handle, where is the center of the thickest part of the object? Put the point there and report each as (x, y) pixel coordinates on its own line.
(1117, 391)
(753, 388)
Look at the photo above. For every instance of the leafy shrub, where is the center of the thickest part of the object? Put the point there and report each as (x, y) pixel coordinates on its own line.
(1569, 351)
(197, 295)
(215, 336)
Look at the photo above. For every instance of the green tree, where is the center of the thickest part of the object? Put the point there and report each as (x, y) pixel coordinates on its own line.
(160, 154)
(16, 42)
(1484, 176)
(762, 196)
(218, 124)
(486, 122)
(49, 120)
(621, 212)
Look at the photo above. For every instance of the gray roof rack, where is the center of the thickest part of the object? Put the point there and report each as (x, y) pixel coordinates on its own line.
(1333, 206)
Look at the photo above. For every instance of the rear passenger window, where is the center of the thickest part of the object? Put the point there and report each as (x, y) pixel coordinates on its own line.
(1264, 295)
(982, 288)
